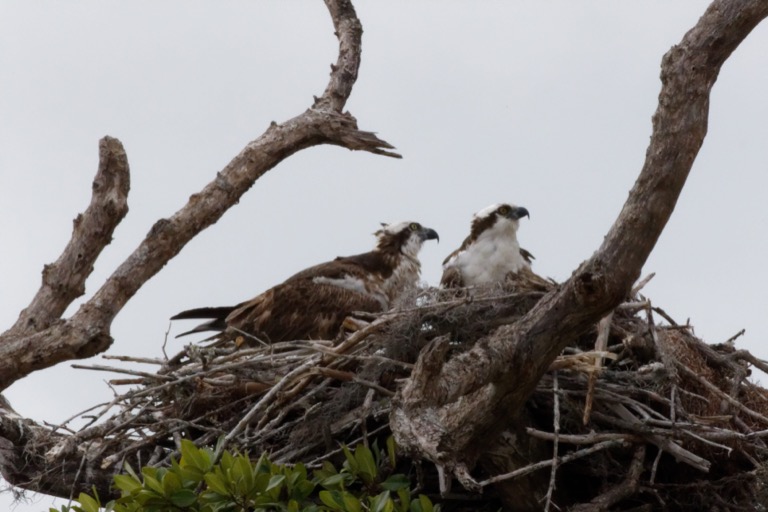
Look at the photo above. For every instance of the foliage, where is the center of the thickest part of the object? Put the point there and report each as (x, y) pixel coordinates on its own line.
(236, 483)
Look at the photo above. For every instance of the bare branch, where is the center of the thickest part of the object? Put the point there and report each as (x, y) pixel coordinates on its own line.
(603, 445)
(64, 280)
(88, 331)
(473, 396)
(627, 488)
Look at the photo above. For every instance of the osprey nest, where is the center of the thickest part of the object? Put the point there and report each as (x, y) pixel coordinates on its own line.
(638, 414)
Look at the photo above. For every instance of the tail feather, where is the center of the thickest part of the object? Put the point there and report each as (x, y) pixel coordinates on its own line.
(217, 315)
(220, 312)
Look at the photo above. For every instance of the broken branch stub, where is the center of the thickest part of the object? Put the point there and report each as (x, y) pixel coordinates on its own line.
(478, 393)
(87, 332)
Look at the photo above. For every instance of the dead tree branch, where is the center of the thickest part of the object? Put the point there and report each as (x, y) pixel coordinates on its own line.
(300, 400)
(87, 332)
(42, 338)
(451, 410)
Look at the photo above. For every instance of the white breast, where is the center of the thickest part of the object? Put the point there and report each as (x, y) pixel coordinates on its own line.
(405, 275)
(490, 258)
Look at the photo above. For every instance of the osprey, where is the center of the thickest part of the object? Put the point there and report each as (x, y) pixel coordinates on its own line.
(491, 252)
(314, 303)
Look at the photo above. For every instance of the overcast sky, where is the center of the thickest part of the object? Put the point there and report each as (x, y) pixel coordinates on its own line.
(543, 104)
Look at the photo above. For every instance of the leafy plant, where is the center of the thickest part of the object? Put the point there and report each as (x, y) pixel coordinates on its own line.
(236, 483)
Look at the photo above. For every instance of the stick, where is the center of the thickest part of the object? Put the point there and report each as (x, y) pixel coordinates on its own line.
(556, 426)
(604, 331)
(312, 361)
(546, 463)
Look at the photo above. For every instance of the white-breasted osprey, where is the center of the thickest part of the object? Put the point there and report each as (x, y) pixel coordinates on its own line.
(313, 303)
(491, 252)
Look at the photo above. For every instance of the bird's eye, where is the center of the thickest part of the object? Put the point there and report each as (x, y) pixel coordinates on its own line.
(415, 226)
(504, 210)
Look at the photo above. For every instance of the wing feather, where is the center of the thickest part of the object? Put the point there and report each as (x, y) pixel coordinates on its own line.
(300, 309)
(452, 278)
(216, 315)
(308, 305)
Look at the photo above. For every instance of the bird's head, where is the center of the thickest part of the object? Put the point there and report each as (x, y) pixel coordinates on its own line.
(404, 237)
(498, 216)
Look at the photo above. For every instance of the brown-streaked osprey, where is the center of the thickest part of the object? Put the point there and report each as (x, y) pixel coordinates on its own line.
(491, 252)
(313, 303)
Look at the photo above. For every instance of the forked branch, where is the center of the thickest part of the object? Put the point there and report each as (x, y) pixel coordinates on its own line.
(41, 338)
(450, 411)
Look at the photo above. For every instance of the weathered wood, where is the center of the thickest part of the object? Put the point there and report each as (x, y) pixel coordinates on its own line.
(451, 411)
(64, 280)
(41, 339)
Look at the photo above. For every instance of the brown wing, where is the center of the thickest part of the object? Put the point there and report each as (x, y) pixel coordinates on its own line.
(299, 309)
(526, 279)
(359, 265)
(463, 246)
(452, 278)
(217, 318)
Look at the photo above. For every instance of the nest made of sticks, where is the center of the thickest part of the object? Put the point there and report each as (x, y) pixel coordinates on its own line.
(634, 414)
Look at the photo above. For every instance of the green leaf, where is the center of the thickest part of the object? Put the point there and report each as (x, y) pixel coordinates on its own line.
(351, 503)
(152, 483)
(376, 452)
(216, 484)
(326, 471)
(184, 498)
(396, 482)
(131, 472)
(126, 484)
(391, 451)
(275, 481)
(171, 483)
(263, 465)
(382, 503)
(292, 479)
(193, 456)
(87, 503)
(261, 482)
(351, 463)
(332, 500)
(145, 496)
(227, 461)
(404, 497)
(302, 469)
(422, 504)
(242, 474)
(302, 490)
(365, 463)
(333, 482)
(190, 476)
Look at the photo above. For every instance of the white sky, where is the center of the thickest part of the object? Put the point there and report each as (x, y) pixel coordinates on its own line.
(543, 104)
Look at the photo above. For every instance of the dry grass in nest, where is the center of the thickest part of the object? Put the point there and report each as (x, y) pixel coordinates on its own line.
(647, 410)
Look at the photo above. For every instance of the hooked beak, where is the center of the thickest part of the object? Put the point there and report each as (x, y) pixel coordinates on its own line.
(429, 234)
(518, 213)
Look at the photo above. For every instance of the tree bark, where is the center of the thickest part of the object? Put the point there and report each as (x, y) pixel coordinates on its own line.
(41, 338)
(451, 411)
